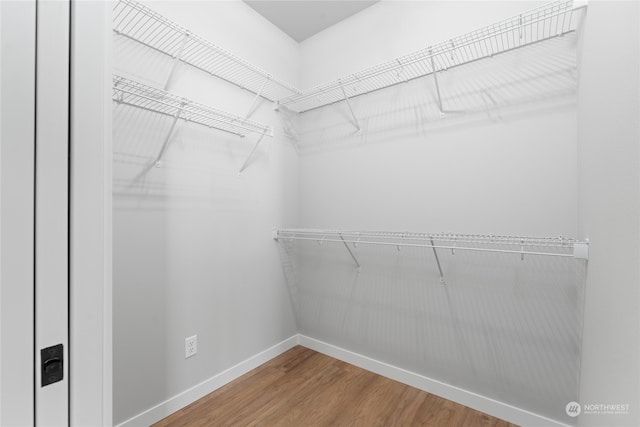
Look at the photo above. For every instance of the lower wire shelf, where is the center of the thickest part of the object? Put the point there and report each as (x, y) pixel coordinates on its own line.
(540, 246)
(135, 94)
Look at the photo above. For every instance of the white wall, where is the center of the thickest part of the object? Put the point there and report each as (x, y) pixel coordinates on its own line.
(504, 164)
(192, 247)
(609, 209)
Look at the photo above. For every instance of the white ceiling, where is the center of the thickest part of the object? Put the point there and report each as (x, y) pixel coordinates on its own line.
(301, 19)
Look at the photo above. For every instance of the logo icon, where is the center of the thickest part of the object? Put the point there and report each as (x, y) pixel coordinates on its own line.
(573, 409)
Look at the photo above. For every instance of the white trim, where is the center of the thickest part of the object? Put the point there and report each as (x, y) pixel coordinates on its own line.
(52, 195)
(464, 397)
(107, 295)
(198, 391)
(90, 373)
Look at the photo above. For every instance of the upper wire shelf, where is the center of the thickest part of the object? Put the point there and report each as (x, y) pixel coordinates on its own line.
(135, 21)
(547, 246)
(130, 92)
(544, 22)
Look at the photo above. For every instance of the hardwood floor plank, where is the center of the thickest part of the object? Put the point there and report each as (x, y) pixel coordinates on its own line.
(321, 406)
(405, 413)
(304, 388)
(295, 385)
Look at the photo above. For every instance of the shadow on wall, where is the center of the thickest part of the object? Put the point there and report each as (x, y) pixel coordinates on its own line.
(534, 79)
(197, 161)
(198, 169)
(499, 326)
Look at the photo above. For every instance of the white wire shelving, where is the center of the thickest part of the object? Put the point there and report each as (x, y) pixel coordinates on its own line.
(137, 22)
(547, 21)
(133, 93)
(136, 94)
(519, 245)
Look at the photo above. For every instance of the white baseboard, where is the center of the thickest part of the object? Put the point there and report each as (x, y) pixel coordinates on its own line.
(198, 391)
(464, 397)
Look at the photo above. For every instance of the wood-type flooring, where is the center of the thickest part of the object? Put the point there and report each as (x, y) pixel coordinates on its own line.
(304, 388)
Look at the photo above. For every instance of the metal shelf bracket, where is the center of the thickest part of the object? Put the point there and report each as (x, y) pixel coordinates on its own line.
(176, 60)
(346, 98)
(435, 79)
(167, 139)
(255, 98)
(255, 147)
(435, 253)
(350, 252)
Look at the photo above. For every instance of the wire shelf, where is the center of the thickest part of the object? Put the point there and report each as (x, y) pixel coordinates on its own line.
(548, 246)
(130, 92)
(139, 23)
(542, 23)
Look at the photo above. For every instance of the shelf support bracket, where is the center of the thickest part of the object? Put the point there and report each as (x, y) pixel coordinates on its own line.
(520, 26)
(119, 95)
(350, 251)
(255, 99)
(400, 73)
(435, 79)
(167, 139)
(255, 147)
(581, 250)
(176, 60)
(346, 98)
(435, 253)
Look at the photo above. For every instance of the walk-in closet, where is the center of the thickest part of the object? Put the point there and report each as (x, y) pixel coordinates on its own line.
(416, 208)
(355, 213)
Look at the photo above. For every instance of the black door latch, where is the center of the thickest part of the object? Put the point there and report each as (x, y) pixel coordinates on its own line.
(52, 366)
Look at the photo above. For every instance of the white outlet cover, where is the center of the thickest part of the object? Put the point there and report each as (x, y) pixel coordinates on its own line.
(190, 346)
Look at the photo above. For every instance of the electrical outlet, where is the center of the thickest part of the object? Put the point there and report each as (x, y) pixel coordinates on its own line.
(190, 346)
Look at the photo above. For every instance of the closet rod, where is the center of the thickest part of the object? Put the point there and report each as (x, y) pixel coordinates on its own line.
(573, 248)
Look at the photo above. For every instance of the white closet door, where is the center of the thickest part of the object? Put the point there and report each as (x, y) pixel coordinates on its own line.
(17, 144)
(34, 181)
(52, 214)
